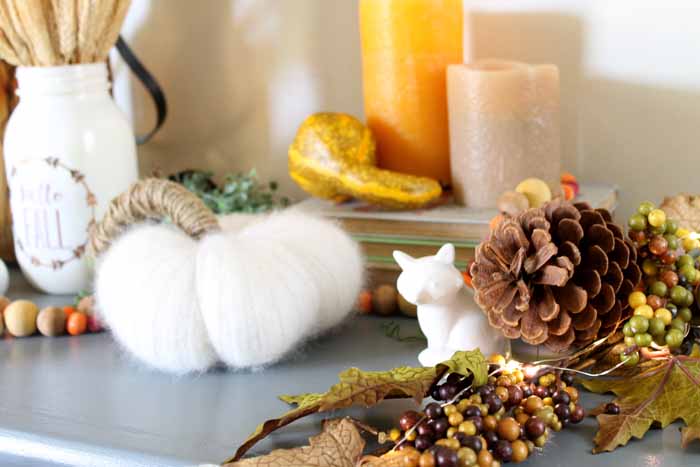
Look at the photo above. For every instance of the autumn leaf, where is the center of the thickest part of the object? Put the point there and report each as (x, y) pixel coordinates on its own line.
(368, 388)
(356, 387)
(465, 363)
(663, 394)
(390, 459)
(689, 434)
(338, 445)
(301, 399)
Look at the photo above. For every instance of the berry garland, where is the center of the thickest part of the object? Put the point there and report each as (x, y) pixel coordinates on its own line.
(483, 412)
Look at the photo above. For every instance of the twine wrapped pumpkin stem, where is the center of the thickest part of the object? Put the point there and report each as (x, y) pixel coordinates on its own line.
(153, 199)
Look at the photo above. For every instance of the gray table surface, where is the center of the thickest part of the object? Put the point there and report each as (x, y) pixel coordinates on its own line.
(82, 401)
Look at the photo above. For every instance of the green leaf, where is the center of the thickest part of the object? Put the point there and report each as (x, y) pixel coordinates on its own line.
(368, 388)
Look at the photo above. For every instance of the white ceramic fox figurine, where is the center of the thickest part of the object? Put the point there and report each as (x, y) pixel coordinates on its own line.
(447, 313)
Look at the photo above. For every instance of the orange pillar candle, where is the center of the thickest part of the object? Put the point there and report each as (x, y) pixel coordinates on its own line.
(504, 127)
(406, 47)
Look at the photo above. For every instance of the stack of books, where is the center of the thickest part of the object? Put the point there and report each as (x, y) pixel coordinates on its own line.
(422, 232)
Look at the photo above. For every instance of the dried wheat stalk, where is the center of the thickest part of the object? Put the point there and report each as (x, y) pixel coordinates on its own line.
(66, 15)
(59, 32)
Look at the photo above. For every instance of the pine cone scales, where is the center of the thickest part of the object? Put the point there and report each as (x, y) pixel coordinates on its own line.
(558, 275)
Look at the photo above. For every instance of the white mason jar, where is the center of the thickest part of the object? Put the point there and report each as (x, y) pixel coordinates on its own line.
(68, 151)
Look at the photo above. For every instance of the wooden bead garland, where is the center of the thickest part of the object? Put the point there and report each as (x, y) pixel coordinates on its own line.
(22, 318)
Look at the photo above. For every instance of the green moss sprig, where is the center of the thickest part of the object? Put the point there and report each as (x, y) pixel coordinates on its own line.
(241, 192)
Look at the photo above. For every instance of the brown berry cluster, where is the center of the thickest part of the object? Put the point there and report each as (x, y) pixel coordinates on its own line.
(502, 421)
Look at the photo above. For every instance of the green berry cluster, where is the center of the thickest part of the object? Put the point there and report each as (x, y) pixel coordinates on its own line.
(663, 302)
(649, 325)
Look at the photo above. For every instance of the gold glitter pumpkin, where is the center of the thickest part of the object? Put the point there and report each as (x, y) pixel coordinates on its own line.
(333, 157)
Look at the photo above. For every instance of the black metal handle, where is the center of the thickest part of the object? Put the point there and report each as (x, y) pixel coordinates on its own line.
(151, 85)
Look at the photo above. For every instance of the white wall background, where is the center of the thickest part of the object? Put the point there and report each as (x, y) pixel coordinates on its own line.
(240, 75)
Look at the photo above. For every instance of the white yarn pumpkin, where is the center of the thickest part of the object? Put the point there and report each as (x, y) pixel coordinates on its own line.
(246, 295)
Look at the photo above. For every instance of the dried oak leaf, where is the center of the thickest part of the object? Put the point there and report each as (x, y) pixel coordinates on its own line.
(689, 434)
(668, 392)
(390, 459)
(685, 209)
(340, 444)
(368, 388)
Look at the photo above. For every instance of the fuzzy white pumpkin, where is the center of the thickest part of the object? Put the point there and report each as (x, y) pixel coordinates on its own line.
(245, 295)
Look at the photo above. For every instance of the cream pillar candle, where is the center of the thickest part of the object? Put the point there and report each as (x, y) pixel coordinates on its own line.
(504, 127)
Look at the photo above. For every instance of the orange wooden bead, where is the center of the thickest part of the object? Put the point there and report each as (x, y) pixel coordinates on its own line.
(569, 191)
(467, 279)
(495, 221)
(77, 323)
(364, 302)
(69, 310)
(568, 177)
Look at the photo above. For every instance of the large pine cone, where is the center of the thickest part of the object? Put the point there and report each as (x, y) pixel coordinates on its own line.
(557, 275)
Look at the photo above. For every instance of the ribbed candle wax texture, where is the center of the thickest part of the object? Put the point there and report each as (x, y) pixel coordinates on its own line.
(504, 127)
(406, 47)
